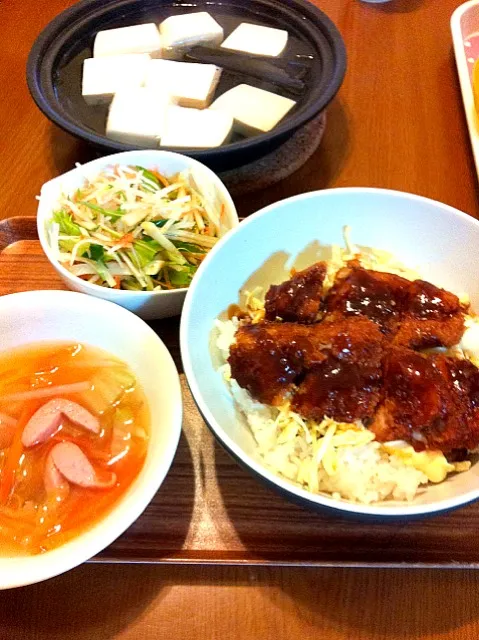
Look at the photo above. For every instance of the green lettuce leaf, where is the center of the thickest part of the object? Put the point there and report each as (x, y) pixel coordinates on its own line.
(67, 245)
(65, 221)
(96, 252)
(182, 278)
(145, 251)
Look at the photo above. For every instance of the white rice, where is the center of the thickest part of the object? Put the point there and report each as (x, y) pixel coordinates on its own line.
(339, 459)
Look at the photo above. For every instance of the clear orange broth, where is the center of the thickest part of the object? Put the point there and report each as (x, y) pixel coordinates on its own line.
(30, 521)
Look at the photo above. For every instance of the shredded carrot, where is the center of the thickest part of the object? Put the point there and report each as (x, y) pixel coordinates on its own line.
(125, 240)
(117, 280)
(222, 212)
(7, 478)
(161, 178)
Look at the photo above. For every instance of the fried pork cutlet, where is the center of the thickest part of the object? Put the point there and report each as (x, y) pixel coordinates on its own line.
(433, 317)
(431, 401)
(269, 357)
(346, 385)
(299, 298)
(415, 314)
(381, 297)
(359, 362)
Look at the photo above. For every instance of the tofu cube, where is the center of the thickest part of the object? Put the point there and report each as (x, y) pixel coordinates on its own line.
(189, 29)
(190, 83)
(195, 128)
(137, 116)
(253, 38)
(253, 110)
(142, 38)
(103, 77)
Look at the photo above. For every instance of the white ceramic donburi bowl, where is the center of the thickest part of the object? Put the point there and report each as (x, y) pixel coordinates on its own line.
(63, 315)
(441, 241)
(146, 304)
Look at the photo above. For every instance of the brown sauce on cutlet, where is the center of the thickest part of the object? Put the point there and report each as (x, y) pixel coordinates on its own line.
(362, 360)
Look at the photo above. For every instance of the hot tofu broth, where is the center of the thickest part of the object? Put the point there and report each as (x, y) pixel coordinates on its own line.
(74, 427)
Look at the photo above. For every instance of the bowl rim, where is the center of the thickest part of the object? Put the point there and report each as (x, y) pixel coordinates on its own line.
(285, 487)
(25, 570)
(50, 107)
(124, 294)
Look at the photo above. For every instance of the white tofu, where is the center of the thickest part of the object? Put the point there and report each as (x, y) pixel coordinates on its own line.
(137, 116)
(190, 83)
(103, 77)
(195, 128)
(189, 29)
(141, 38)
(253, 38)
(253, 110)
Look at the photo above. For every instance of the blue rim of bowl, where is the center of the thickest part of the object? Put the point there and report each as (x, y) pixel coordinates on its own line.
(49, 43)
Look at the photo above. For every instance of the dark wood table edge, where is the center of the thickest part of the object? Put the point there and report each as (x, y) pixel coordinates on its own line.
(321, 564)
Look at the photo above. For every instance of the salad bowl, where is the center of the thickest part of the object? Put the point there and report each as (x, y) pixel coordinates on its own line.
(146, 304)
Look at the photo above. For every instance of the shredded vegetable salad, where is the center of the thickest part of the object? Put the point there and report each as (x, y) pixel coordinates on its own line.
(135, 229)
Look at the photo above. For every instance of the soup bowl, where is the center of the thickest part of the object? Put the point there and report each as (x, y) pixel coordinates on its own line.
(46, 316)
(438, 241)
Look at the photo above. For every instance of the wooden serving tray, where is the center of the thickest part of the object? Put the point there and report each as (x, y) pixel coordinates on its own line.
(210, 511)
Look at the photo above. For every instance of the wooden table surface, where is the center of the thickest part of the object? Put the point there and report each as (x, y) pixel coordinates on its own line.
(398, 123)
